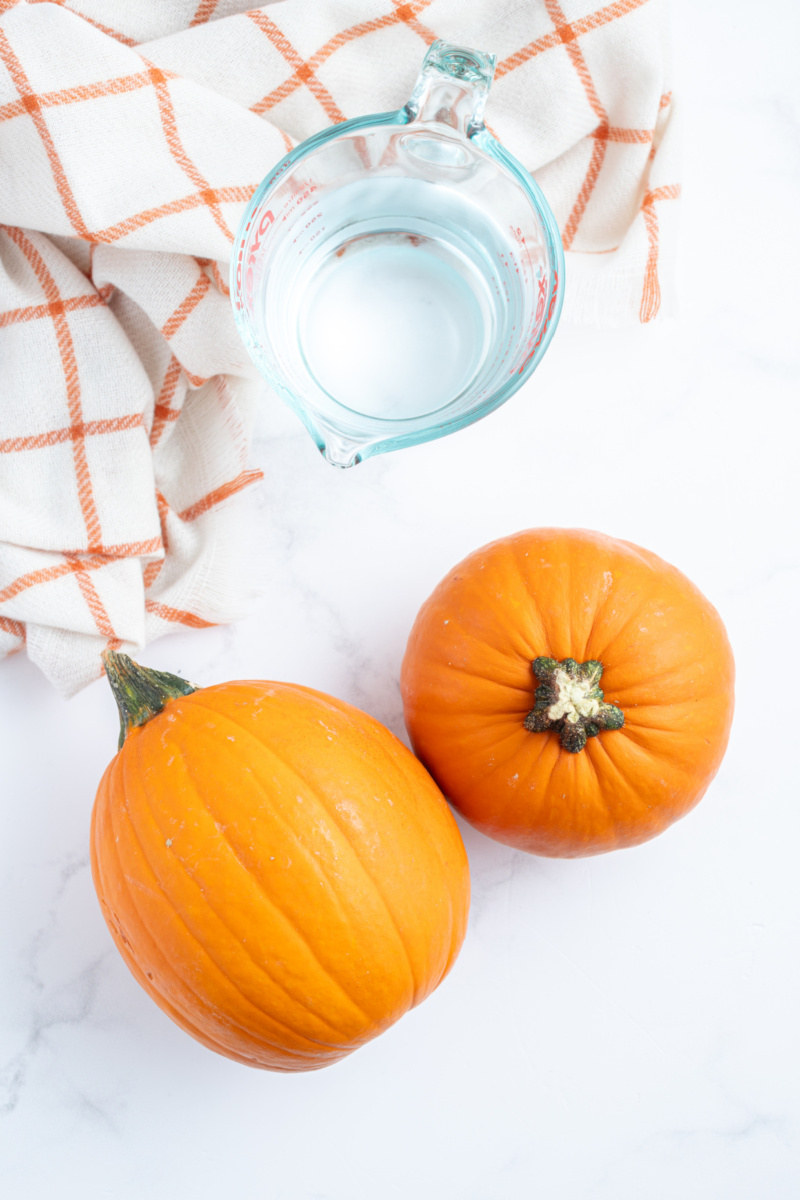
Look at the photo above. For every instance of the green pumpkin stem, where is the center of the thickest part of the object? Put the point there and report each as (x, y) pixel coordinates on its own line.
(569, 701)
(140, 692)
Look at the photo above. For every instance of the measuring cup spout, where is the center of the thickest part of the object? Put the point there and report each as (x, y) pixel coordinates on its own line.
(338, 449)
(452, 88)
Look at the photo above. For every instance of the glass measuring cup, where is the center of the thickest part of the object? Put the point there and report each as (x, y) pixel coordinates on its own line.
(400, 275)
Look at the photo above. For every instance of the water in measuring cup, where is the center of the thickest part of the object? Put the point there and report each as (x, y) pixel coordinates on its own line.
(394, 324)
(400, 299)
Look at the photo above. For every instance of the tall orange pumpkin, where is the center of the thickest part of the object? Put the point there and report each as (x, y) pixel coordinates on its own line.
(278, 871)
(570, 693)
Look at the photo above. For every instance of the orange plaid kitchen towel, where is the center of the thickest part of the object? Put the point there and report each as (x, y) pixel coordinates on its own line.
(131, 137)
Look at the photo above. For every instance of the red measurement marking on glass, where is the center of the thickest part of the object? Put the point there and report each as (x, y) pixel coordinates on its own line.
(539, 310)
(267, 219)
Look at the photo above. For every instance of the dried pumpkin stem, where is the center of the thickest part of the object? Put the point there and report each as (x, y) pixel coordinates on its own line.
(569, 701)
(140, 692)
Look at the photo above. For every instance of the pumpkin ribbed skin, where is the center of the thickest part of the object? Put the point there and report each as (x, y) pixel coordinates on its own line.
(278, 871)
(467, 687)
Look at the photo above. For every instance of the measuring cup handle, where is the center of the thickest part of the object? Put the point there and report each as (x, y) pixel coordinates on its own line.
(452, 88)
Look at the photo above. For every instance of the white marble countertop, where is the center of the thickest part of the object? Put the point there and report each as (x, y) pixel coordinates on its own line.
(618, 1028)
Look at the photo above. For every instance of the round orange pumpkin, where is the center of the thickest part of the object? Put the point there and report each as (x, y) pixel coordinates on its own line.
(278, 871)
(569, 692)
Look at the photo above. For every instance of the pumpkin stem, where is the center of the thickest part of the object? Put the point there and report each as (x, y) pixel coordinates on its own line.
(140, 692)
(569, 701)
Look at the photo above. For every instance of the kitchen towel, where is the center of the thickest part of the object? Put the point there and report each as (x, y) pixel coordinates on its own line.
(131, 137)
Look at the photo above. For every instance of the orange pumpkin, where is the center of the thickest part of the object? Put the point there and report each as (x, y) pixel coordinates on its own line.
(278, 871)
(570, 693)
